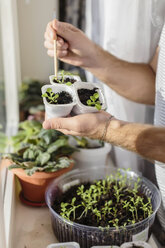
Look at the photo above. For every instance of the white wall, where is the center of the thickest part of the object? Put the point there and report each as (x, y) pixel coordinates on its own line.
(33, 16)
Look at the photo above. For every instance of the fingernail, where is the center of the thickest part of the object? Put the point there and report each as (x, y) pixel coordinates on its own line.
(46, 125)
(56, 24)
(61, 41)
(64, 52)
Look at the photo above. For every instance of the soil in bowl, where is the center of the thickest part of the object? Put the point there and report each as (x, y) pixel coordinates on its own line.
(62, 97)
(87, 98)
(135, 246)
(67, 81)
(113, 202)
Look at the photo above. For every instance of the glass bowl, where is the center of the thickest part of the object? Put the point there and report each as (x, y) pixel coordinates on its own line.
(88, 236)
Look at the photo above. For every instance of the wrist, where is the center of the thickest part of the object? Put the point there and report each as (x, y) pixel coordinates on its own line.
(105, 128)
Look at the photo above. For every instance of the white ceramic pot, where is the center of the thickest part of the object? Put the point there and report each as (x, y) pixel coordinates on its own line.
(64, 245)
(86, 158)
(80, 108)
(58, 110)
(136, 243)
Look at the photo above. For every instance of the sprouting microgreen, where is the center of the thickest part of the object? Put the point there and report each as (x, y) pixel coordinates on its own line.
(69, 83)
(94, 101)
(108, 200)
(51, 96)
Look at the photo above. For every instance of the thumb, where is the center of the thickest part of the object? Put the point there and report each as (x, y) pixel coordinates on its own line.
(65, 30)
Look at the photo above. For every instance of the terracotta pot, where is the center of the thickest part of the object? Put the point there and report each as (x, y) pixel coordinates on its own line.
(33, 187)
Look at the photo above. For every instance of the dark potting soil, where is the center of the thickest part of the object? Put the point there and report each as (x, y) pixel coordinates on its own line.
(66, 80)
(89, 218)
(88, 147)
(64, 98)
(84, 95)
(135, 246)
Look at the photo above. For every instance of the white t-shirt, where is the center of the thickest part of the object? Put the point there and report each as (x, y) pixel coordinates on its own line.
(160, 121)
(130, 30)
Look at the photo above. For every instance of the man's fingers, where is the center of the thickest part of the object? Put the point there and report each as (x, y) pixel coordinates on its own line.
(65, 30)
(62, 54)
(68, 124)
(51, 31)
(50, 53)
(48, 45)
(47, 37)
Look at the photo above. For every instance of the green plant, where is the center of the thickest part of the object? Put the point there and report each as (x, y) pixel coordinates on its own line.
(94, 101)
(30, 94)
(62, 80)
(37, 149)
(50, 95)
(112, 202)
(3, 141)
(83, 142)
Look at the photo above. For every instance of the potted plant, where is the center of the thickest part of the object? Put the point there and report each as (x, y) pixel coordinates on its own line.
(90, 152)
(136, 244)
(91, 208)
(89, 98)
(30, 98)
(59, 100)
(64, 245)
(64, 78)
(40, 156)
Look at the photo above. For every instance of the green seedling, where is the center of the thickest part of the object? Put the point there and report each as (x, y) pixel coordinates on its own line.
(94, 101)
(107, 200)
(51, 96)
(62, 80)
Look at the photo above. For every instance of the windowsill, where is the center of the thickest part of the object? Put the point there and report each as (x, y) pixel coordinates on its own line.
(30, 227)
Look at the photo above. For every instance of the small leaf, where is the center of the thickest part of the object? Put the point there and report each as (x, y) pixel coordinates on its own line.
(31, 171)
(14, 166)
(98, 106)
(69, 83)
(96, 96)
(49, 90)
(92, 98)
(89, 102)
(56, 145)
(43, 158)
(56, 96)
(45, 95)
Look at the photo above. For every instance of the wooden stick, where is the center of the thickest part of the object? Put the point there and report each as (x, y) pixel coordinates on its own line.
(55, 59)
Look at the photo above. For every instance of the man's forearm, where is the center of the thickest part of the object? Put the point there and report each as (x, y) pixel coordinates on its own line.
(146, 140)
(131, 80)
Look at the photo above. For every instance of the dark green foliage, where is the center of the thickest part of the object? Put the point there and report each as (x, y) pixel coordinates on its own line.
(3, 141)
(30, 94)
(37, 149)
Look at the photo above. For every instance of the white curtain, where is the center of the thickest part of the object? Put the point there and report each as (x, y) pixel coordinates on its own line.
(130, 30)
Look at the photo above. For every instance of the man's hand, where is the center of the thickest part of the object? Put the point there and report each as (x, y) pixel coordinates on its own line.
(73, 46)
(90, 125)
